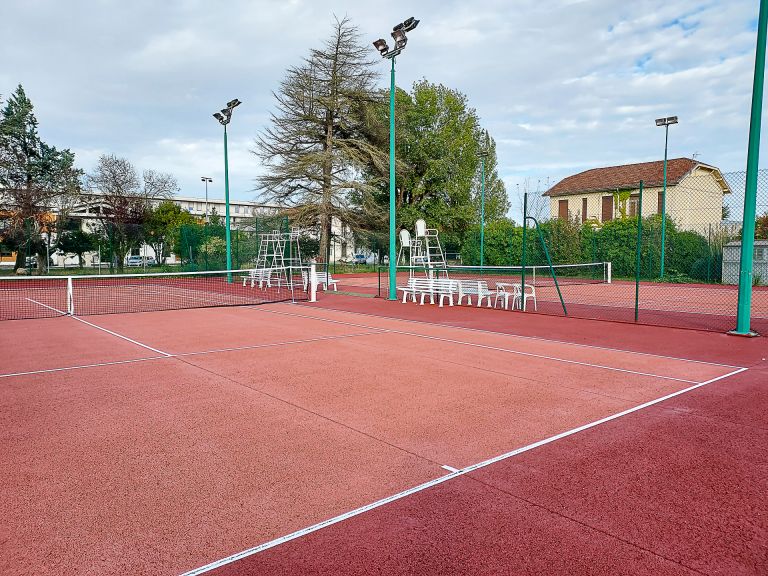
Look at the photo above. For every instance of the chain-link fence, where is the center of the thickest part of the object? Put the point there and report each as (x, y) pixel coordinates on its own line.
(676, 266)
(204, 246)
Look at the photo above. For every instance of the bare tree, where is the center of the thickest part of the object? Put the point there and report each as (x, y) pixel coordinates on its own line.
(126, 200)
(315, 149)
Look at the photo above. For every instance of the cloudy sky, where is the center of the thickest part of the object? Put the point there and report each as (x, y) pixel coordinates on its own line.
(562, 85)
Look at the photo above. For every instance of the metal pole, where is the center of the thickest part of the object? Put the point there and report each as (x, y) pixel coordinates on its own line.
(226, 207)
(638, 249)
(206, 199)
(525, 222)
(482, 210)
(551, 268)
(664, 204)
(744, 306)
(392, 205)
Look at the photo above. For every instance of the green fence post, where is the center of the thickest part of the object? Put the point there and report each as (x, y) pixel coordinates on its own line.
(551, 268)
(744, 307)
(522, 256)
(638, 250)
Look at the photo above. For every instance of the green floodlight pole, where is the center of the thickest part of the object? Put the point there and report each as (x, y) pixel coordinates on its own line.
(664, 122)
(224, 118)
(744, 307)
(483, 155)
(398, 35)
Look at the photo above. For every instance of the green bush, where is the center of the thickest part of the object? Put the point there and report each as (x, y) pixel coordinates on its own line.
(502, 245)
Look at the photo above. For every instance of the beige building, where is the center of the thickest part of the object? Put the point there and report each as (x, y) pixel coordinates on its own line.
(694, 193)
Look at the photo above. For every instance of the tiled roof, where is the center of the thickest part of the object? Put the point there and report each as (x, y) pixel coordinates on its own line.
(625, 177)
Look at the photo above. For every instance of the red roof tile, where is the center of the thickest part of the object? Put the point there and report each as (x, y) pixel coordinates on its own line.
(624, 177)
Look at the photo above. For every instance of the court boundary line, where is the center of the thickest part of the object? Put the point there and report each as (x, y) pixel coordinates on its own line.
(511, 334)
(518, 352)
(166, 354)
(187, 354)
(82, 366)
(131, 340)
(429, 484)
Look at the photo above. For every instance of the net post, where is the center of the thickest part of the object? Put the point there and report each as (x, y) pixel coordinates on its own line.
(313, 282)
(70, 297)
(608, 271)
(638, 249)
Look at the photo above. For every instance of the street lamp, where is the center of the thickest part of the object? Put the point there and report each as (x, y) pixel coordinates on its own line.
(206, 180)
(666, 123)
(224, 117)
(398, 35)
(483, 153)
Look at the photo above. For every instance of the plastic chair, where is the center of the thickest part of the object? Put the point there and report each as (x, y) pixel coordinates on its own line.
(526, 294)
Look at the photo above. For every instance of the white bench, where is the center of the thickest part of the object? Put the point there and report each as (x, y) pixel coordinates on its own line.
(442, 287)
(323, 278)
(260, 276)
(479, 288)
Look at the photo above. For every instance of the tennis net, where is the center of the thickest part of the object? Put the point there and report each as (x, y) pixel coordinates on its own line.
(588, 273)
(49, 296)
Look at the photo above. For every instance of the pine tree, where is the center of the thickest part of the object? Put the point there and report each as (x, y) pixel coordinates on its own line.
(316, 148)
(35, 178)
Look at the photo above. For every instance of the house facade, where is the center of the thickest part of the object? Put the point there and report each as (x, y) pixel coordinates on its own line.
(694, 199)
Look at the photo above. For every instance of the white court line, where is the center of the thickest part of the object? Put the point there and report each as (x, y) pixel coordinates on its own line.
(449, 468)
(102, 329)
(46, 306)
(185, 354)
(507, 350)
(273, 344)
(507, 334)
(132, 341)
(440, 480)
(82, 366)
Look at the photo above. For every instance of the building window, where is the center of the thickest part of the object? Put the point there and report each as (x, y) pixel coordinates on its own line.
(562, 209)
(583, 210)
(634, 202)
(607, 212)
(659, 208)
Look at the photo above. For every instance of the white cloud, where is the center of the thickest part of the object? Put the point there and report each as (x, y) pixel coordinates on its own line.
(561, 85)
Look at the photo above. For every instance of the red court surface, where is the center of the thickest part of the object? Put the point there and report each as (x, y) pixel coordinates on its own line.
(360, 436)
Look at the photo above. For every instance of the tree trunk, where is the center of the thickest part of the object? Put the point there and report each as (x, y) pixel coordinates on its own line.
(20, 259)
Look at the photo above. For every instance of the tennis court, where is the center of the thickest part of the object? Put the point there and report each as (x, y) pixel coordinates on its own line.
(362, 436)
(593, 296)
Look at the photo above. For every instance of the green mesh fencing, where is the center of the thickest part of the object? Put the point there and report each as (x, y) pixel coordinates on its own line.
(698, 289)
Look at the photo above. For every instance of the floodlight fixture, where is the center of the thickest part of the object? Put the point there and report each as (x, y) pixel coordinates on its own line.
(233, 103)
(399, 36)
(666, 121)
(410, 24)
(219, 117)
(381, 46)
(400, 39)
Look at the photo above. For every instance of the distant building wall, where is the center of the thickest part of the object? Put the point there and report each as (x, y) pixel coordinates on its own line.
(732, 262)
